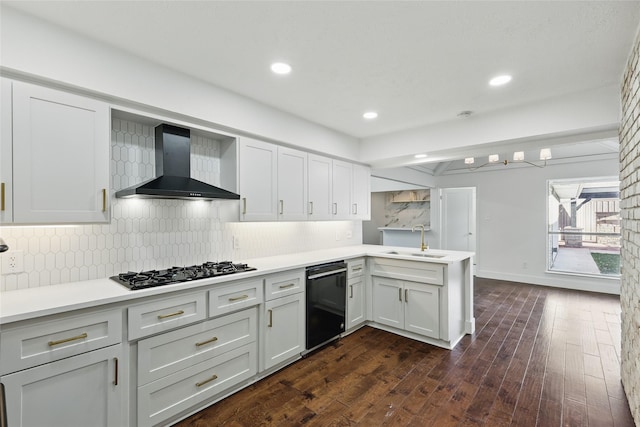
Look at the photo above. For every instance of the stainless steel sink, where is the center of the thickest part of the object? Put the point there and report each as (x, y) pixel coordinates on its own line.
(418, 255)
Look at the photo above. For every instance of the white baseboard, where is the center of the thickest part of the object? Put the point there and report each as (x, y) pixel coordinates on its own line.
(567, 281)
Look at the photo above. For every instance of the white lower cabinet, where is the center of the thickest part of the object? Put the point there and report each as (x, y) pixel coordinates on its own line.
(284, 329)
(356, 302)
(180, 369)
(79, 391)
(170, 395)
(413, 307)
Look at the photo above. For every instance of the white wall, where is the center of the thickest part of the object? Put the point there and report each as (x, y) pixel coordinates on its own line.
(29, 46)
(511, 221)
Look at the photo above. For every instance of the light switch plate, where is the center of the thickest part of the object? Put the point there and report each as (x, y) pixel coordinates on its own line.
(12, 262)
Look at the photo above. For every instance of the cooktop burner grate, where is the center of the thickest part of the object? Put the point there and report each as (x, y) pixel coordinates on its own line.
(148, 279)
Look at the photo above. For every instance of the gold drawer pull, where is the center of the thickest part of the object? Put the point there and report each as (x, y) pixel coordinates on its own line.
(357, 268)
(350, 291)
(199, 344)
(270, 324)
(77, 337)
(2, 196)
(201, 383)
(104, 200)
(241, 297)
(290, 285)
(164, 316)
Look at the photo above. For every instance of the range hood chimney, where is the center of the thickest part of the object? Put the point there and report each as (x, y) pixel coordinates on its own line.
(173, 171)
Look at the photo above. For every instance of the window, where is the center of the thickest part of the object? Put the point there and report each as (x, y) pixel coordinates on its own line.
(583, 226)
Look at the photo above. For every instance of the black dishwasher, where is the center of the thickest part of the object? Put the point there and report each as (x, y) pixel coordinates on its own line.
(326, 301)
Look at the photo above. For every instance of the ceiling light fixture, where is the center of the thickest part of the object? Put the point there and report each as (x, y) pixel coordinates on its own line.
(500, 80)
(420, 156)
(518, 157)
(280, 68)
(370, 115)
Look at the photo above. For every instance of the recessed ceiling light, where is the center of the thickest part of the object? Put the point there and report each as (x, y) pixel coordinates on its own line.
(500, 80)
(280, 68)
(370, 115)
(420, 156)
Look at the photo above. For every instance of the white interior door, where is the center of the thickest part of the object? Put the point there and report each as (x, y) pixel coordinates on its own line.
(459, 219)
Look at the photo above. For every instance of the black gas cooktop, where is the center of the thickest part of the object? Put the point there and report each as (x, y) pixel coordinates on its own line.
(152, 278)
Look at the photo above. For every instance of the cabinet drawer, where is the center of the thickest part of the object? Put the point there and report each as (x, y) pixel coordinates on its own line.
(239, 295)
(54, 339)
(415, 271)
(170, 352)
(355, 267)
(168, 396)
(283, 284)
(167, 313)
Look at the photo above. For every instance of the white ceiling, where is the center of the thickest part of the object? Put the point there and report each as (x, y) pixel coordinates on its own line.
(416, 63)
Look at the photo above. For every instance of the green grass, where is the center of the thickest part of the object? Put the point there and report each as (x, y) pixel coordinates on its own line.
(607, 263)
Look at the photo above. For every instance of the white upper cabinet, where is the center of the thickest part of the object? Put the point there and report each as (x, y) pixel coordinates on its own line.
(6, 174)
(60, 156)
(280, 183)
(341, 208)
(320, 187)
(292, 184)
(361, 193)
(258, 180)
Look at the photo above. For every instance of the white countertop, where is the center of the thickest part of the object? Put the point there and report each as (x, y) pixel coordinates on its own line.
(46, 300)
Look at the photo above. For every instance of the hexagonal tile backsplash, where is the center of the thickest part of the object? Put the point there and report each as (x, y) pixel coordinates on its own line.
(146, 233)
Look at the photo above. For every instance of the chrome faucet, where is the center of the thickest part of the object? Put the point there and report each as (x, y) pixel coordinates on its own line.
(421, 227)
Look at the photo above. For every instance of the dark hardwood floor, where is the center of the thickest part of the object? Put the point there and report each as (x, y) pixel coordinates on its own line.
(540, 356)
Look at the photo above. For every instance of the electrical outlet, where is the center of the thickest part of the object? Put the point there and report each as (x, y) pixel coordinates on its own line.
(338, 235)
(236, 242)
(12, 262)
(348, 234)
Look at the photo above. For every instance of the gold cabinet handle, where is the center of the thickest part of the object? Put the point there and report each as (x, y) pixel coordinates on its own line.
(310, 208)
(77, 337)
(244, 205)
(164, 316)
(290, 285)
(2, 196)
(104, 200)
(406, 295)
(115, 363)
(208, 380)
(350, 291)
(358, 268)
(200, 344)
(281, 207)
(400, 294)
(270, 324)
(241, 297)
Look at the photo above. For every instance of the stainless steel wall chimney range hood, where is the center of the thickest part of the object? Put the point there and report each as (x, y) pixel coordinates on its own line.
(173, 171)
